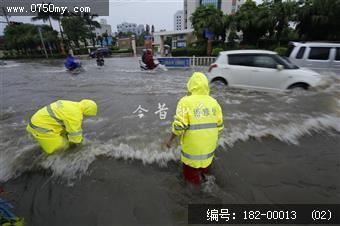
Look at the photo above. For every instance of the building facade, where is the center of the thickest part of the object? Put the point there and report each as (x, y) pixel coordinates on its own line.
(179, 39)
(179, 20)
(227, 7)
(104, 28)
(130, 27)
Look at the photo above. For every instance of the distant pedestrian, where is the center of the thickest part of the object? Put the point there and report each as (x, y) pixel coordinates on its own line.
(166, 51)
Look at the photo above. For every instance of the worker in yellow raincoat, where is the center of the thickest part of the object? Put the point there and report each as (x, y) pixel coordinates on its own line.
(198, 121)
(59, 124)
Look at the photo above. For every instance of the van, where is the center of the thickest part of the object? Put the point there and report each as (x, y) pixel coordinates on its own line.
(318, 56)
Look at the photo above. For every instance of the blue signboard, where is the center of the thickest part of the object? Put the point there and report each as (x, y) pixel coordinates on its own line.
(148, 37)
(175, 62)
(208, 34)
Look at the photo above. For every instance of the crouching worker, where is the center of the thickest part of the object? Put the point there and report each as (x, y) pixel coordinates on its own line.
(198, 121)
(59, 125)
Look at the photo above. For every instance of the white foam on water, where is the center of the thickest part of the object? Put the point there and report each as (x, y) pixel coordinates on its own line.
(209, 185)
(288, 133)
(129, 70)
(236, 116)
(71, 166)
(9, 65)
(15, 161)
(9, 109)
(94, 120)
(55, 71)
(229, 101)
(6, 113)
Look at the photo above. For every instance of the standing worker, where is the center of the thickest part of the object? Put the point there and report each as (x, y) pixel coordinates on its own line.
(198, 121)
(59, 125)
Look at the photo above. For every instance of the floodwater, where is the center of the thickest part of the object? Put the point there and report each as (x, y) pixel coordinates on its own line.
(276, 147)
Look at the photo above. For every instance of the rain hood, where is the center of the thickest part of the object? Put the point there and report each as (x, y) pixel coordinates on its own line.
(198, 84)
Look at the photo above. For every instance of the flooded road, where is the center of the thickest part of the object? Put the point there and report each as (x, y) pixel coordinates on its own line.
(275, 148)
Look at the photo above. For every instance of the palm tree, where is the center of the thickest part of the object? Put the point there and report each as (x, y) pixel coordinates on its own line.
(44, 16)
(89, 19)
(281, 14)
(208, 17)
(248, 21)
(106, 37)
(100, 39)
(319, 20)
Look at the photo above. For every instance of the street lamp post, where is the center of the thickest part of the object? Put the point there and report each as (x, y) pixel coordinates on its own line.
(42, 42)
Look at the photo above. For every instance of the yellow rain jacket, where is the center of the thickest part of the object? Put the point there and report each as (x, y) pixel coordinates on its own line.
(198, 121)
(60, 122)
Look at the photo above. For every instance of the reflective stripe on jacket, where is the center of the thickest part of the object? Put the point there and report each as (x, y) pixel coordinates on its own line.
(198, 121)
(59, 118)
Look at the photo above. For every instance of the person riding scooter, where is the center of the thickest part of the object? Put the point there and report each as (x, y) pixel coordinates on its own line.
(71, 63)
(100, 59)
(147, 59)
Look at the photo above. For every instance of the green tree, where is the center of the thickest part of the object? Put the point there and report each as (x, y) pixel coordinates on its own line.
(230, 24)
(100, 39)
(140, 39)
(26, 37)
(319, 20)
(92, 24)
(44, 16)
(248, 20)
(47, 16)
(208, 17)
(277, 15)
(75, 29)
(106, 37)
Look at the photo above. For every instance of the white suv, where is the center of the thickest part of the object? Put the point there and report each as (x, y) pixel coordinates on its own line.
(260, 69)
(318, 56)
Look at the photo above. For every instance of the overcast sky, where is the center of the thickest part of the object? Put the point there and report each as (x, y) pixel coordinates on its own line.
(157, 12)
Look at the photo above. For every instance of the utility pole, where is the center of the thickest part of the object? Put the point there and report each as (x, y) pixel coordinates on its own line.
(42, 42)
(5, 15)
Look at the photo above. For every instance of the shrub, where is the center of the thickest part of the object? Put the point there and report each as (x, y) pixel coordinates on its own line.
(216, 51)
(114, 48)
(188, 52)
(122, 51)
(281, 51)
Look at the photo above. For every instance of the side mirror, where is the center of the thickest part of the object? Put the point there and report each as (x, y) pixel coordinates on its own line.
(279, 67)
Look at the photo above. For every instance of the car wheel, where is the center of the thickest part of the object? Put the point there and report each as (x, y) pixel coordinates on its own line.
(219, 81)
(298, 88)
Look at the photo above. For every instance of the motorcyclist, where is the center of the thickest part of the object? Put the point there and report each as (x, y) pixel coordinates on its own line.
(100, 59)
(70, 62)
(147, 59)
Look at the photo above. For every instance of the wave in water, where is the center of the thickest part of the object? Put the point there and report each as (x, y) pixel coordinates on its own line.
(288, 133)
(72, 164)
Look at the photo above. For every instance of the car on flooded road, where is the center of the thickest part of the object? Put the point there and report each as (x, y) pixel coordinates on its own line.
(318, 56)
(105, 52)
(261, 69)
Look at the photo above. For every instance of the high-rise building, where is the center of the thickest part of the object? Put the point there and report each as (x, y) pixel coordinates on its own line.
(179, 20)
(227, 7)
(130, 27)
(104, 28)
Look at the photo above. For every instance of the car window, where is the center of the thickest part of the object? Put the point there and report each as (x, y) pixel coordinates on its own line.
(290, 49)
(241, 59)
(265, 61)
(319, 53)
(285, 62)
(337, 54)
(299, 55)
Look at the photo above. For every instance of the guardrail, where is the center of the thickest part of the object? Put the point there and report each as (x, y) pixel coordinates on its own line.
(201, 61)
(179, 62)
